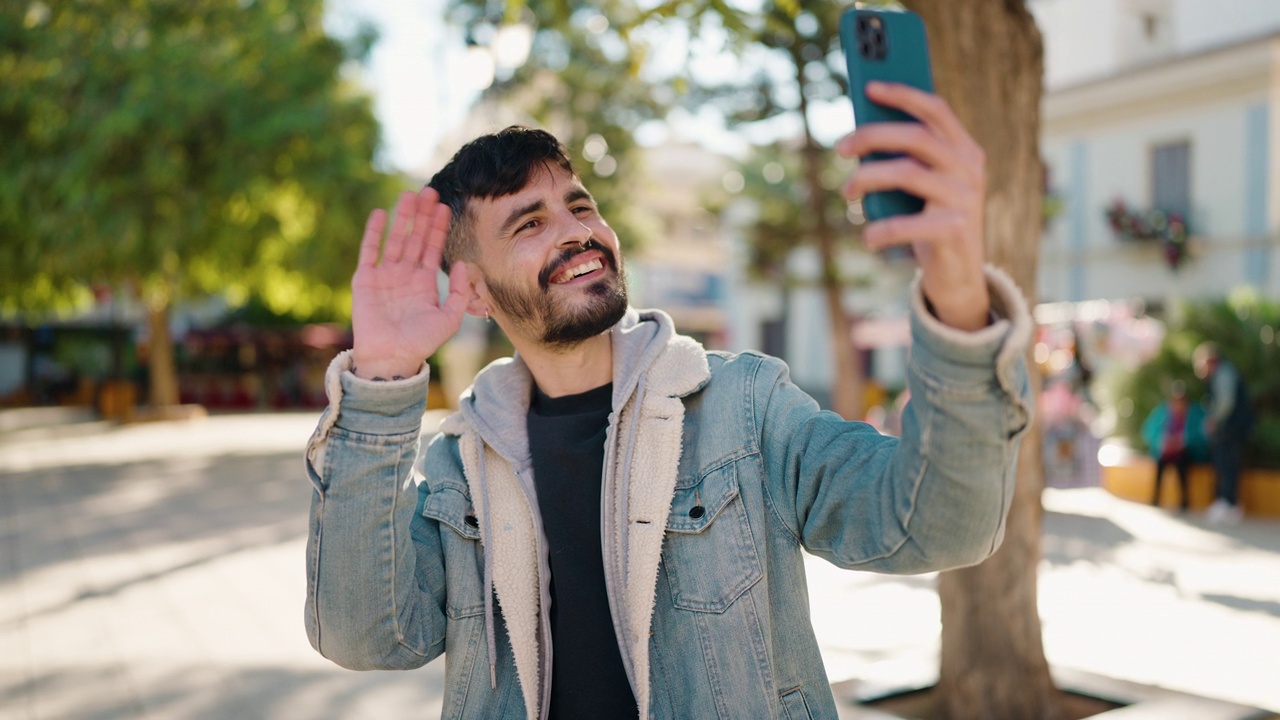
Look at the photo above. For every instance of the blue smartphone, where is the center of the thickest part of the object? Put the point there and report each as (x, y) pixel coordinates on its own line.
(889, 46)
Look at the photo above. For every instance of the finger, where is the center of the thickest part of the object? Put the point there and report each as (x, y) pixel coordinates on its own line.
(926, 107)
(437, 235)
(456, 303)
(400, 227)
(910, 138)
(424, 204)
(925, 227)
(903, 174)
(371, 243)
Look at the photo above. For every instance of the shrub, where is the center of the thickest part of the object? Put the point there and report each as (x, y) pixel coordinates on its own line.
(1246, 329)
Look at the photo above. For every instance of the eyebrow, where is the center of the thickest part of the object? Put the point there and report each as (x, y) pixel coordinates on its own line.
(576, 194)
(518, 213)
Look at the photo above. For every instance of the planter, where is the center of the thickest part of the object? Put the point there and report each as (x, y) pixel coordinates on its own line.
(1133, 478)
(1083, 695)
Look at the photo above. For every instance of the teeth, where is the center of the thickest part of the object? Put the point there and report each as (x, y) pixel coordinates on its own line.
(582, 269)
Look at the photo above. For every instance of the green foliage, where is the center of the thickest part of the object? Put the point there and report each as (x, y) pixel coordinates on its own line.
(592, 71)
(774, 183)
(180, 147)
(581, 83)
(1245, 329)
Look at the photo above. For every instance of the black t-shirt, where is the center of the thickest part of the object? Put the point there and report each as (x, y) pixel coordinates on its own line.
(566, 437)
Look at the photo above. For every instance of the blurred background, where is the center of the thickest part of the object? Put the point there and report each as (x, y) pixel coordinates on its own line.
(183, 186)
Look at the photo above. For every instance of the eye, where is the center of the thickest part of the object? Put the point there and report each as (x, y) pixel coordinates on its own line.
(583, 210)
(527, 226)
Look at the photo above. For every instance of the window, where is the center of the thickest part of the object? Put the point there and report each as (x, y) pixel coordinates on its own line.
(1171, 178)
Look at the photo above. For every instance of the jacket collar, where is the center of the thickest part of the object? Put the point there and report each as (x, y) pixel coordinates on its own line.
(644, 341)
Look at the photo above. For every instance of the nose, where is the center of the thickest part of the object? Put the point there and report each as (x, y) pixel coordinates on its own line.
(574, 233)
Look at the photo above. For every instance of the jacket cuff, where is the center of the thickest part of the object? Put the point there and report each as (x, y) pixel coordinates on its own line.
(965, 357)
(374, 406)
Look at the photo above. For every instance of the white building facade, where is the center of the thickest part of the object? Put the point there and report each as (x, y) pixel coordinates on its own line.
(1169, 106)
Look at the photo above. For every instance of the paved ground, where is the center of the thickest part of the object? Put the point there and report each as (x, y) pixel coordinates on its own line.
(156, 571)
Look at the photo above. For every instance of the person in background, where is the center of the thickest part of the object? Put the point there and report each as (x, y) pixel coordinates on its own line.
(1229, 421)
(1174, 433)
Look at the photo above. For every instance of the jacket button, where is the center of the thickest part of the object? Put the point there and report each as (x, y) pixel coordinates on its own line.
(697, 511)
(472, 521)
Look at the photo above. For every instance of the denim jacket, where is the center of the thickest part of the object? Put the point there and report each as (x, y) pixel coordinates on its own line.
(718, 474)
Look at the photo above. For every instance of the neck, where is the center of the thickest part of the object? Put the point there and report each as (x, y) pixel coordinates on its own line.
(585, 366)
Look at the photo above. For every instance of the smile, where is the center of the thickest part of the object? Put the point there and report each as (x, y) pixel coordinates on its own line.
(577, 271)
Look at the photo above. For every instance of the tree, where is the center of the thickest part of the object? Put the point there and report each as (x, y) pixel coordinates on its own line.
(807, 43)
(583, 86)
(988, 64)
(179, 148)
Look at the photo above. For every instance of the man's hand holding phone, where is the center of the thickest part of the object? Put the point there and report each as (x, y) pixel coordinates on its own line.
(943, 165)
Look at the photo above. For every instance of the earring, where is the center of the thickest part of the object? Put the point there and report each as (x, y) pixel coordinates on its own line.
(486, 315)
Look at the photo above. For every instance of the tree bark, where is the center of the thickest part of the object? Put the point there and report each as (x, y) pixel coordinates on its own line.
(846, 385)
(988, 64)
(163, 370)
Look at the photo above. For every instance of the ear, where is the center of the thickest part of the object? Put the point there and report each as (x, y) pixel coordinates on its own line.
(478, 304)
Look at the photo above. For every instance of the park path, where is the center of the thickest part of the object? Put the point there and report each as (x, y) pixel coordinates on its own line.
(156, 571)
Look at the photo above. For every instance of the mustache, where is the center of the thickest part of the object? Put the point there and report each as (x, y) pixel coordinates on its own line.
(567, 256)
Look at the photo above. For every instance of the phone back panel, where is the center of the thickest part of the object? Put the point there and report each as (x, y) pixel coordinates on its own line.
(905, 60)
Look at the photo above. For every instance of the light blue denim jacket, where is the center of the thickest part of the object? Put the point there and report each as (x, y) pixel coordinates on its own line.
(718, 473)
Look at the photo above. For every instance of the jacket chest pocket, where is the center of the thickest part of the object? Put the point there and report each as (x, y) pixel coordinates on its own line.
(460, 546)
(709, 555)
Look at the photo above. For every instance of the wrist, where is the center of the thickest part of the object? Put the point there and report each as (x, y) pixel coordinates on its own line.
(383, 369)
(963, 311)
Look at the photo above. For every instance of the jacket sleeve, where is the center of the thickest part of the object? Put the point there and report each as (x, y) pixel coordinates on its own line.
(936, 498)
(375, 591)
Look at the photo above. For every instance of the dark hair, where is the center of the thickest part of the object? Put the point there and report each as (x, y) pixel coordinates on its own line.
(488, 167)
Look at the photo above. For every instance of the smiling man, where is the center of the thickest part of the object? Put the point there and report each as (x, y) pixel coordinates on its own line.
(613, 523)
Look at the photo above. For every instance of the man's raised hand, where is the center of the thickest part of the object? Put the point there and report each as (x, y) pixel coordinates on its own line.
(397, 318)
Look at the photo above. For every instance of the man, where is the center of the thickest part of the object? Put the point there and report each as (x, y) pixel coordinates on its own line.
(1229, 422)
(612, 524)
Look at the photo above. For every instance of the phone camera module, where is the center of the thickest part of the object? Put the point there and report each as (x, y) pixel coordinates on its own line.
(872, 42)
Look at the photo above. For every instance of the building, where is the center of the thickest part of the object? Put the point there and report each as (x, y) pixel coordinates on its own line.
(682, 268)
(1157, 111)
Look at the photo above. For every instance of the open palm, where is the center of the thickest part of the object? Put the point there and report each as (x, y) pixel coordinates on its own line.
(397, 318)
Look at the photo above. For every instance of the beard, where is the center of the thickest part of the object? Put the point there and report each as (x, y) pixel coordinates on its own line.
(557, 322)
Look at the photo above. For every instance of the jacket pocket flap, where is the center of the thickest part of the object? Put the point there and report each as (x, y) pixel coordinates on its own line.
(453, 509)
(695, 505)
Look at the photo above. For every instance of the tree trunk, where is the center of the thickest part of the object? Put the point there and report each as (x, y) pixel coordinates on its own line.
(163, 371)
(846, 385)
(988, 64)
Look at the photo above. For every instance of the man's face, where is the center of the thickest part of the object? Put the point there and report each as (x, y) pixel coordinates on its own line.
(550, 266)
(1204, 366)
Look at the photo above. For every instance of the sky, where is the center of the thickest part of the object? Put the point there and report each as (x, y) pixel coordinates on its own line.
(413, 73)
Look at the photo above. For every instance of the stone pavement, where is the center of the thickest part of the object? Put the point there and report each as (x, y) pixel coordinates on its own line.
(156, 571)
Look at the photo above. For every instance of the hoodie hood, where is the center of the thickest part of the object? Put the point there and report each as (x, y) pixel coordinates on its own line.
(653, 368)
(497, 403)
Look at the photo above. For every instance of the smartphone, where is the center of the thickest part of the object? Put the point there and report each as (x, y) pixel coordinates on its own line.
(889, 46)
